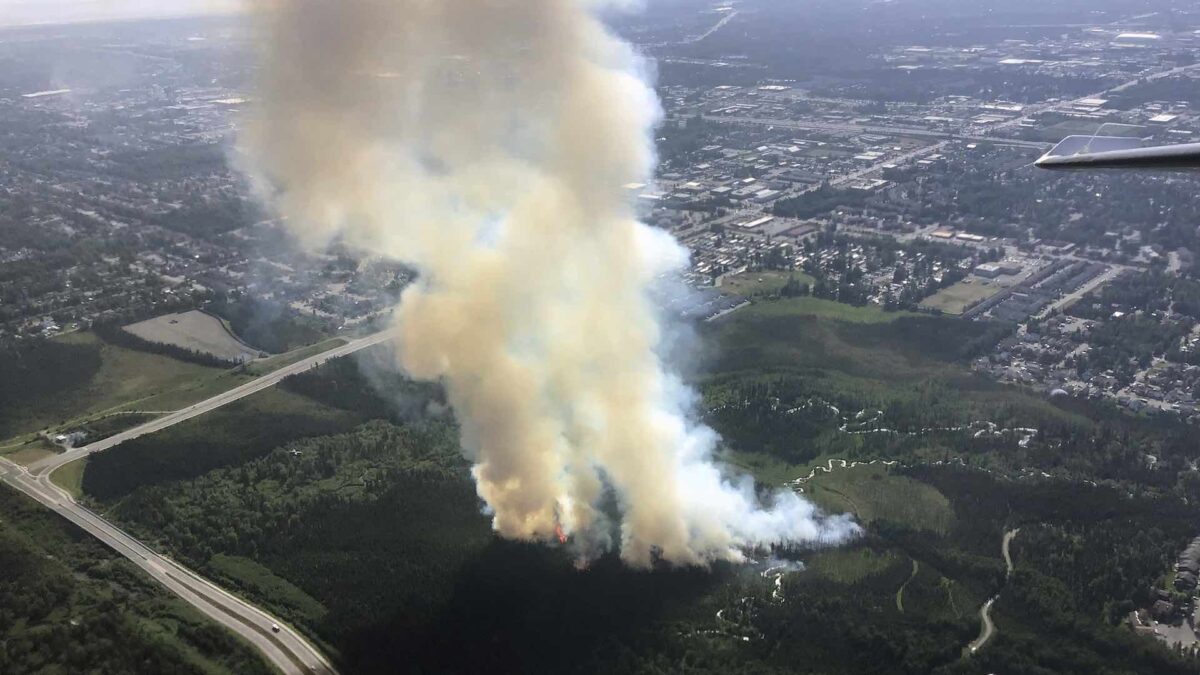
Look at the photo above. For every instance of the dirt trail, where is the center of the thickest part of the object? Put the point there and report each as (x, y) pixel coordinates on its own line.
(916, 567)
(987, 628)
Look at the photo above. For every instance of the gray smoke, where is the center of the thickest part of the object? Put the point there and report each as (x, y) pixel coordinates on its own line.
(487, 143)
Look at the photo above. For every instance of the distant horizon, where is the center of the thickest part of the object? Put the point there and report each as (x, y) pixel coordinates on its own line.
(44, 13)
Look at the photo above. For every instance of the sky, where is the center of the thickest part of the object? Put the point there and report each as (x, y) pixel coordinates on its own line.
(24, 12)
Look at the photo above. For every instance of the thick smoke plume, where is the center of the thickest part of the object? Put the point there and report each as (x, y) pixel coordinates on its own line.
(488, 143)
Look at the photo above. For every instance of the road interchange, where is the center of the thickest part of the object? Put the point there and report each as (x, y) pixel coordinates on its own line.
(280, 644)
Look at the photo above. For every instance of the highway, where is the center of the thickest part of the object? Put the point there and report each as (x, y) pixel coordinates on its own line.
(49, 464)
(287, 650)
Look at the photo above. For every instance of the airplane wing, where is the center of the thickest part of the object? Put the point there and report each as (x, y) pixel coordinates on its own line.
(1112, 152)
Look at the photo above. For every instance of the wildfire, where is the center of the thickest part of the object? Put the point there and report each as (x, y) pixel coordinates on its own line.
(558, 532)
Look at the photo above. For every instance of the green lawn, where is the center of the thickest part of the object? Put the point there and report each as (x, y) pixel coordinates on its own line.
(849, 566)
(955, 299)
(863, 357)
(822, 308)
(873, 494)
(70, 476)
(126, 380)
(31, 451)
(133, 381)
(767, 282)
(273, 363)
(765, 468)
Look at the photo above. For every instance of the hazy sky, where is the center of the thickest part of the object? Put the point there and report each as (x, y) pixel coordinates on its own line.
(20, 12)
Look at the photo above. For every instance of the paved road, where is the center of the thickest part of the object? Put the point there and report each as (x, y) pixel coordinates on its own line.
(287, 650)
(49, 464)
(1100, 279)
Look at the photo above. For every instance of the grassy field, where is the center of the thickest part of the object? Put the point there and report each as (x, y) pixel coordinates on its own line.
(863, 357)
(99, 428)
(809, 306)
(273, 363)
(955, 299)
(251, 577)
(873, 494)
(849, 566)
(765, 468)
(31, 451)
(195, 331)
(126, 380)
(137, 382)
(805, 333)
(767, 282)
(70, 476)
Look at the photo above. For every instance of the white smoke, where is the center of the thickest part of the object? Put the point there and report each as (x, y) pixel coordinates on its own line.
(488, 143)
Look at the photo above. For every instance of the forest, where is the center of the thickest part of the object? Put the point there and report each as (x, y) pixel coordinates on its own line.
(370, 538)
(70, 605)
(266, 325)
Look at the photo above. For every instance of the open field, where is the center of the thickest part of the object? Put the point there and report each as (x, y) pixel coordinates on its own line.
(862, 354)
(245, 573)
(273, 363)
(853, 565)
(787, 376)
(194, 331)
(70, 476)
(765, 468)
(125, 379)
(873, 494)
(31, 451)
(767, 282)
(821, 308)
(955, 299)
(129, 381)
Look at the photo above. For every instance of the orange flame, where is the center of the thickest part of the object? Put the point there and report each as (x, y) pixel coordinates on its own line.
(558, 532)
